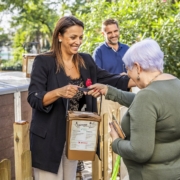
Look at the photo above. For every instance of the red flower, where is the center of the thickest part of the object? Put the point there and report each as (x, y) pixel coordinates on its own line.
(88, 82)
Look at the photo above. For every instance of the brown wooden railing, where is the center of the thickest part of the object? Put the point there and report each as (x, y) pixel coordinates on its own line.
(101, 170)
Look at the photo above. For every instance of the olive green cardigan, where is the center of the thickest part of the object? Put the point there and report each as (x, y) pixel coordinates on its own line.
(151, 150)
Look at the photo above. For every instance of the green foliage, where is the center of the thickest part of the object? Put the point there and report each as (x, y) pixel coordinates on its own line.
(10, 65)
(15, 4)
(4, 39)
(138, 20)
(19, 39)
(36, 22)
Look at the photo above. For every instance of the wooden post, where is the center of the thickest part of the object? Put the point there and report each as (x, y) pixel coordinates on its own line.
(118, 115)
(96, 169)
(106, 147)
(119, 121)
(26, 165)
(5, 169)
(114, 155)
(123, 170)
(23, 168)
(97, 164)
(101, 133)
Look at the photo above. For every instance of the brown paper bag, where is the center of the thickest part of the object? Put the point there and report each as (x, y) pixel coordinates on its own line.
(82, 135)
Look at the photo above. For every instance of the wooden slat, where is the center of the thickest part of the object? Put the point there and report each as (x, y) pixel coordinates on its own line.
(96, 168)
(21, 144)
(123, 169)
(106, 147)
(114, 156)
(3, 174)
(26, 165)
(101, 133)
(97, 164)
(5, 169)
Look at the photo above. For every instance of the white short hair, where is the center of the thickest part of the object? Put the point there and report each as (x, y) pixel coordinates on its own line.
(147, 53)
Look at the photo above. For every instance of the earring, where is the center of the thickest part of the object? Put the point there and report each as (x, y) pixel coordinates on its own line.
(138, 78)
(60, 40)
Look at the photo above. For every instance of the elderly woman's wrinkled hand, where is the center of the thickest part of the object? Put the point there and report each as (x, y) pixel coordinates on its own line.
(113, 133)
(97, 89)
(68, 91)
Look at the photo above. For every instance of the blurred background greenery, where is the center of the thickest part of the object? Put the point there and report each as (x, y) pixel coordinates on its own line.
(32, 23)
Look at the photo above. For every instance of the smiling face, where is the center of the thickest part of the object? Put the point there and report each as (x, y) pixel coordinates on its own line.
(111, 34)
(71, 40)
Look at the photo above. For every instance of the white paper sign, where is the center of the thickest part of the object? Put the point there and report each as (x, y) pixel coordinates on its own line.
(29, 65)
(83, 135)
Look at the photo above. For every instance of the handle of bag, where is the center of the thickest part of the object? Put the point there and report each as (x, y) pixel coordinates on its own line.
(67, 104)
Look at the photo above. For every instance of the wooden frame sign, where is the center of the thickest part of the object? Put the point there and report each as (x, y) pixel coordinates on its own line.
(29, 64)
(28, 60)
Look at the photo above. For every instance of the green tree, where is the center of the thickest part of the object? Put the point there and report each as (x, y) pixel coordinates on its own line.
(36, 23)
(138, 19)
(4, 38)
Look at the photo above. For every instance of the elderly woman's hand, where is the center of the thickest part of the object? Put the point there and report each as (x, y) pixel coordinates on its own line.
(113, 133)
(68, 91)
(97, 89)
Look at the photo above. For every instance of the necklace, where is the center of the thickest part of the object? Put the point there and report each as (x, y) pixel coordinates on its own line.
(69, 68)
(153, 79)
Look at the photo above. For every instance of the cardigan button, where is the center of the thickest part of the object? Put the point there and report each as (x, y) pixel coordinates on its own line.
(36, 94)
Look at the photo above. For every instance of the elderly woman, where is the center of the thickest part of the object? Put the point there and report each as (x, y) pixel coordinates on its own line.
(151, 150)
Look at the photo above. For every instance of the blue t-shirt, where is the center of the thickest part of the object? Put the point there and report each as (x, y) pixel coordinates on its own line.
(110, 60)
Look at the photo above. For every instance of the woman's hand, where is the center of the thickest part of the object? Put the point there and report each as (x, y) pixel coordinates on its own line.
(113, 133)
(97, 89)
(68, 91)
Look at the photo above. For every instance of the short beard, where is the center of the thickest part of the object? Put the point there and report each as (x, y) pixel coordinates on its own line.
(112, 43)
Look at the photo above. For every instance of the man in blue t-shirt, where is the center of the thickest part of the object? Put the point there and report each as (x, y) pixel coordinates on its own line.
(109, 54)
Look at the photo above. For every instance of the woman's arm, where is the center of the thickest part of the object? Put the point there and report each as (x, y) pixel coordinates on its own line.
(38, 84)
(65, 92)
(143, 116)
(122, 97)
(39, 96)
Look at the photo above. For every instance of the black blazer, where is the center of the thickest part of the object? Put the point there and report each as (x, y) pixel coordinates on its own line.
(48, 125)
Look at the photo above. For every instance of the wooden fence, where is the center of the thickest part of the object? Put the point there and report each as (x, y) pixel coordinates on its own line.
(5, 169)
(22, 154)
(23, 169)
(102, 170)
